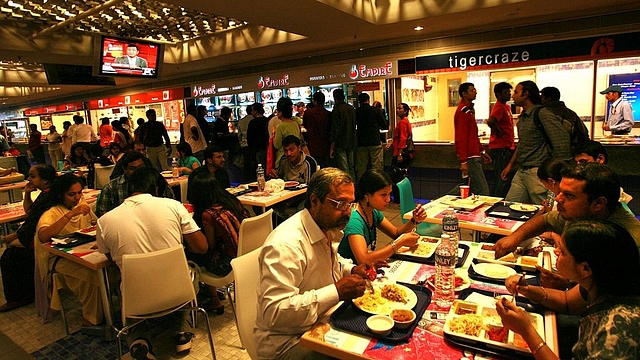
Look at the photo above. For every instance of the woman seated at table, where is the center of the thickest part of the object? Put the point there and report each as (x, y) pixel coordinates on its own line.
(17, 261)
(115, 152)
(77, 158)
(219, 214)
(603, 258)
(69, 213)
(186, 160)
(359, 241)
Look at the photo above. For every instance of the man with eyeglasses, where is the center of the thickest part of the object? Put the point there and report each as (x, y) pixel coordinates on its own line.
(117, 190)
(301, 276)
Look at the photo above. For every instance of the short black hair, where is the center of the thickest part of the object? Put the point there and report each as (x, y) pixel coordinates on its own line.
(249, 109)
(551, 93)
(319, 97)
(285, 106)
(150, 111)
(532, 90)
(225, 110)
(552, 169)
(147, 180)
(464, 87)
(371, 181)
(211, 149)
(185, 148)
(130, 157)
(501, 86)
(338, 94)
(290, 139)
(191, 109)
(133, 45)
(600, 180)
(363, 98)
(592, 148)
(258, 107)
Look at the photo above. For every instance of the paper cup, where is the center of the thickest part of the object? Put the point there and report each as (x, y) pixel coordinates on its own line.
(464, 191)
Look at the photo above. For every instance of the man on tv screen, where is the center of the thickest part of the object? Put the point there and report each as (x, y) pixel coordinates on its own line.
(131, 60)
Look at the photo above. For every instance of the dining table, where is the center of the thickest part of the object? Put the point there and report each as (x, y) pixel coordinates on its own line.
(263, 199)
(183, 182)
(427, 340)
(12, 186)
(476, 217)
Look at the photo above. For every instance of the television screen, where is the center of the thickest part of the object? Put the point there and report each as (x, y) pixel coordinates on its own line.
(126, 57)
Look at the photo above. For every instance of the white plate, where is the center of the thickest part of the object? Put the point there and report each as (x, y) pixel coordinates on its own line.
(387, 306)
(90, 231)
(523, 207)
(494, 271)
(425, 248)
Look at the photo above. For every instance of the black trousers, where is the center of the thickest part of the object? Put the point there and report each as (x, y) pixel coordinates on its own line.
(17, 265)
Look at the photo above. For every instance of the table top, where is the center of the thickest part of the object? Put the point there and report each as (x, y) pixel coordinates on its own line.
(15, 211)
(260, 199)
(344, 345)
(177, 181)
(86, 255)
(475, 220)
(15, 185)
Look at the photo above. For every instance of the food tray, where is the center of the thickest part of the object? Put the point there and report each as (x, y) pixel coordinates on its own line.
(72, 240)
(475, 276)
(432, 259)
(237, 191)
(502, 209)
(348, 317)
(481, 342)
(468, 204)
(526, 263)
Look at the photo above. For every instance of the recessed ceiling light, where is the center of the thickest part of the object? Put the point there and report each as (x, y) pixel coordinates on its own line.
(418, 28)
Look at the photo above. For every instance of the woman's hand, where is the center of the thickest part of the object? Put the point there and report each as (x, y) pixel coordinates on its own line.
(82, 209)
(409, 240)
(517, 284)
(419, 214)
(551, 280)
(29, 188)
(513, 317)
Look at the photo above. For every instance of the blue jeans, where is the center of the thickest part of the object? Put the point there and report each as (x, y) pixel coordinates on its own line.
(477, 182)
(500, 159)
(526, 187)
(344, 160)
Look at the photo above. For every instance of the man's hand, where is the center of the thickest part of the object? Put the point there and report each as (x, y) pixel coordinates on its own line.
(332, 153)
(505, 245)
(362, 269)
(549, 279)
(273, 173)
(504, 175)
(464, 167)
(486, 158)
(350, 287)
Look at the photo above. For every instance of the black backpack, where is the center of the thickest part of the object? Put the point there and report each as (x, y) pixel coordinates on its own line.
(578, 132)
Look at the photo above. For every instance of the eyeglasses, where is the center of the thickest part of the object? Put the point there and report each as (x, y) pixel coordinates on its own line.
(343, 205)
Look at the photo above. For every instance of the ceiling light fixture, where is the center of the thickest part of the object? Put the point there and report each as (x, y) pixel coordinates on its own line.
(418, 28)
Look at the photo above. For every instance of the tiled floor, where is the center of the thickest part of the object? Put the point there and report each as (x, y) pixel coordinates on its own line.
(26, 330)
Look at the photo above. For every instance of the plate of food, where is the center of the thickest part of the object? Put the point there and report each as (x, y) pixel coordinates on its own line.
(291, 184)
(523, 207)
(525, 258)
(253, 184)
(385, 298)
(493, 271)
(426, 247)
(462, 281)
(90, 231)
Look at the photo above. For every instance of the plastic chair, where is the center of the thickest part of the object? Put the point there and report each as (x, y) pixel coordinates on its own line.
(253, 233)
(102, 174)
(407, 204)
(156, 284)
(246, 271)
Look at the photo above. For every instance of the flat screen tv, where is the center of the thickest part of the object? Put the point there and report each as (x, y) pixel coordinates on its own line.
(127, 57)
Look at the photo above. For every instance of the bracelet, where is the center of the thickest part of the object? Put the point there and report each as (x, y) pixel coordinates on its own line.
(537, 349)
(414, 222)
(544, 298)
(394, 246)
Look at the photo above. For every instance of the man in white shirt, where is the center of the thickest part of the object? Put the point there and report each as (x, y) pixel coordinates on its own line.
(620, 120)
(82, 133)
(145, 223)
(300, 275)
(193, 135)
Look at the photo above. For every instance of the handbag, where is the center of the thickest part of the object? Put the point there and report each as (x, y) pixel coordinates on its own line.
(411, 148)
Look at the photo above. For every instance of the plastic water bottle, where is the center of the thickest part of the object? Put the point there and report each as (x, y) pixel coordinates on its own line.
(260, 177)
(174, 168)
(446, 259)
(451, 228)
(551, 200)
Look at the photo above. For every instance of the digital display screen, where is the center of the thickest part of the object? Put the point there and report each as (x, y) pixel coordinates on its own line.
(126, 57)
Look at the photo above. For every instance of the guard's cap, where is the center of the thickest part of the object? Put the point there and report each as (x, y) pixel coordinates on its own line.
(612, 88)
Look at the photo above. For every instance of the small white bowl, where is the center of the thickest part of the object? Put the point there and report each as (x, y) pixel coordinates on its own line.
(403, 324)
(380, 324)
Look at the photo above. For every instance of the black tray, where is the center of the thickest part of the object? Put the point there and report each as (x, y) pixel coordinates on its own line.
(475, 276)
(485, 348)
(431, 260)
(75, 239)
(349, 317)
(503, 206)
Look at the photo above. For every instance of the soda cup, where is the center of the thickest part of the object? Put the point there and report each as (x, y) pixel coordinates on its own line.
(464, 191)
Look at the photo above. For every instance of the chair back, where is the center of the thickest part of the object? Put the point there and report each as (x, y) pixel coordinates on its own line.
(246, 271)
(406, 197)
(102, 174)
(155, 282)
(254, 231)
